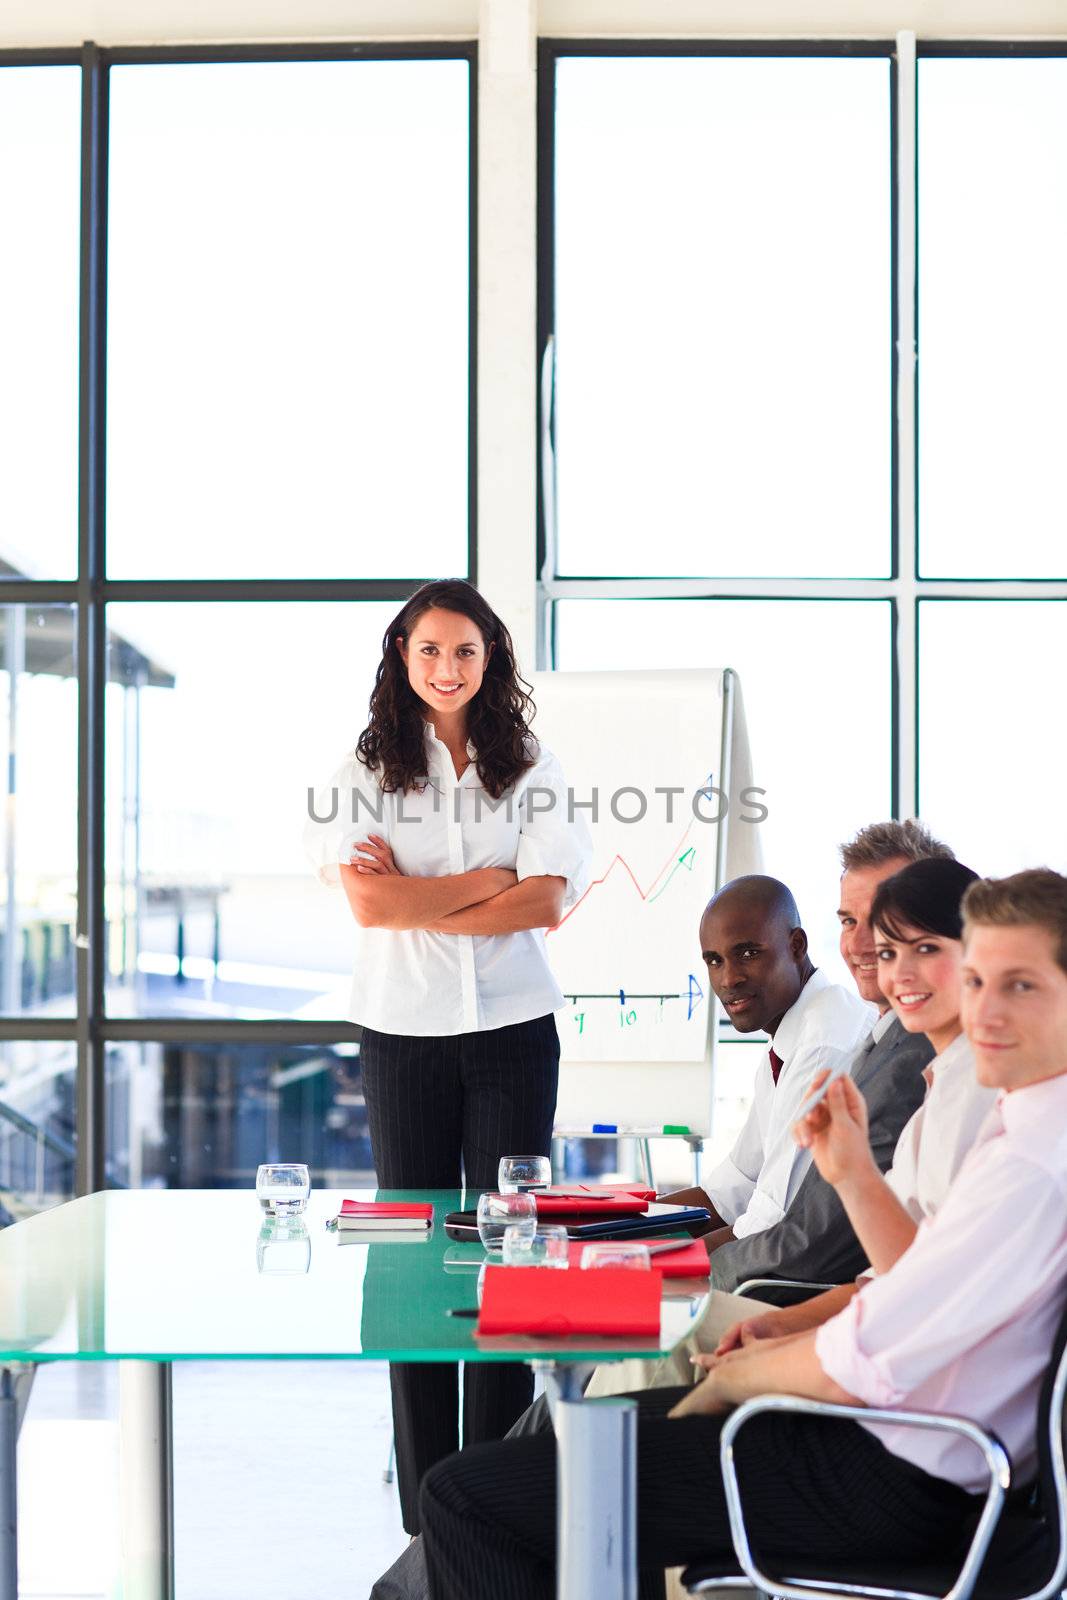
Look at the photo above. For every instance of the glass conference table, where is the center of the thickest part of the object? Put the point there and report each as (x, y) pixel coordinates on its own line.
(150, 1277)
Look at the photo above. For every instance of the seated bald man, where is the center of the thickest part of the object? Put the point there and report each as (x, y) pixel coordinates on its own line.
(756, 954)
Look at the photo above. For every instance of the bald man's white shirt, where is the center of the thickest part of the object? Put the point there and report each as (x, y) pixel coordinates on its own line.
(754, 1186)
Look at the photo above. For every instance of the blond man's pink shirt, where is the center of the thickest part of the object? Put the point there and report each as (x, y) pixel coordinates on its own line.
(964, 1323)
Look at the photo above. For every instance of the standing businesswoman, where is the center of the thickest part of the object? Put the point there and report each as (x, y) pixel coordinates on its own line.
(450, 831)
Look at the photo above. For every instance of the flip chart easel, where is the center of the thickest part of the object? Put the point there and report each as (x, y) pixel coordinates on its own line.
(658, 763)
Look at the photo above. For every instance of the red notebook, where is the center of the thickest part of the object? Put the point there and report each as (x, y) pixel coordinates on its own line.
(385, 1216)
(592, 1200)
(539, 1301)
(692, 1262)
(386, 1208)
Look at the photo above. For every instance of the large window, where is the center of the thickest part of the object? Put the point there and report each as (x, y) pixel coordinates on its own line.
(210, 903)
(993, 770)
(236, 408)
(40, 161)
(743, 249)
(722, 315)
(288, 336)
(38, 751)
(992, 317)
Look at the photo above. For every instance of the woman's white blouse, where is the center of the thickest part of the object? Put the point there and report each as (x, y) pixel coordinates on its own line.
(415, 982)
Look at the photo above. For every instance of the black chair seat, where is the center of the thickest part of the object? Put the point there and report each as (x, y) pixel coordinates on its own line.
(1019, 1562)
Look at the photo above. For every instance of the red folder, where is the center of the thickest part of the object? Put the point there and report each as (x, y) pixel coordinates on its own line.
(386, 1208)
(692, 1262)
(563, 1201)
(538, 1300)
(635, 1190)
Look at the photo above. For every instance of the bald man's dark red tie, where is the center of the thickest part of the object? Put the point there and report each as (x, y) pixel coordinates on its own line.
(776, 1065)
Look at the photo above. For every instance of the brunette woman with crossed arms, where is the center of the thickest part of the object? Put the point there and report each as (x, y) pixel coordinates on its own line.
(476, 854)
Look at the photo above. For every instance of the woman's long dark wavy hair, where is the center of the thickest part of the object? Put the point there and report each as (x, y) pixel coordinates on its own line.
(498, 717)
(924, 896)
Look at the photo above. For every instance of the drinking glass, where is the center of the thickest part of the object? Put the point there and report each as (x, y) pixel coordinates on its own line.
(283, 1249)
(547, 1246)
(496, 1212)
(283, 1187)
(517, 1174)
(611, 1253)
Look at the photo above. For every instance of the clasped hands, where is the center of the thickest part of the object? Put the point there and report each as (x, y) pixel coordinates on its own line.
(738, 1368)
(711, 1397)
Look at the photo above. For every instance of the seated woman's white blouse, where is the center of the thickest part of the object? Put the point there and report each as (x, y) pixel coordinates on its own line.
(412, 981)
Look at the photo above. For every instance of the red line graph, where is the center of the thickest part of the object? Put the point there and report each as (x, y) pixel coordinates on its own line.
(621, 861)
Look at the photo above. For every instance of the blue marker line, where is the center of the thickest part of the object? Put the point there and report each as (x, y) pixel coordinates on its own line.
(605, 1127)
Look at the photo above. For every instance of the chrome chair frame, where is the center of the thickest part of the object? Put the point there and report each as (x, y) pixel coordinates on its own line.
(1000, 1473)
(996, 1460)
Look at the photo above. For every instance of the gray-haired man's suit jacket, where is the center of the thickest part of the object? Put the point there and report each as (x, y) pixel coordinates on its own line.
(814, 1240)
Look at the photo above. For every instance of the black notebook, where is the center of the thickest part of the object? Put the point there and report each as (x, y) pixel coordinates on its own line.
(660, 1218)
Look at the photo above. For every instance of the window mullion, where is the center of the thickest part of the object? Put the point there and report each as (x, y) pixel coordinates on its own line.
(906, 798)
(90, 954)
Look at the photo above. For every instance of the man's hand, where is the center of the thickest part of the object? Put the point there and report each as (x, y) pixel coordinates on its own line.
(697, 1197)
(703, 1400)
(686, 1197)
(374, 855)
(836, 1132)
(768, 1325)
(715, 1239)
(770, 1366)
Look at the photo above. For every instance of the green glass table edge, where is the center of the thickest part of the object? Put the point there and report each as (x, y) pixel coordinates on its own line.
(400, 1286)
(597, 1355)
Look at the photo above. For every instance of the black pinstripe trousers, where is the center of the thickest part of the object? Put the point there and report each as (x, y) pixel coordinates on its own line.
(810, 1488)
(434, 1105)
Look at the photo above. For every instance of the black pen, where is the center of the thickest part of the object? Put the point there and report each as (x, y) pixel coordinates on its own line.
(463, 1313)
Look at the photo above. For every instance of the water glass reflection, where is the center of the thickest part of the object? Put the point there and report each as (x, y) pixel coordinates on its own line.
(283, 1187)
(517, 1174)
(496, 1212)
(609, 1253)
(283, 1249)
(547, 1246)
